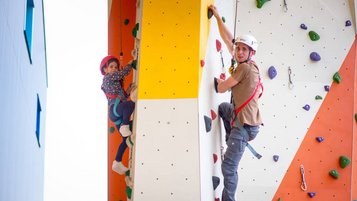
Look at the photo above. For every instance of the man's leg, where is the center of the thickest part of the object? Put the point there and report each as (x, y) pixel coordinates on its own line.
(225, 111)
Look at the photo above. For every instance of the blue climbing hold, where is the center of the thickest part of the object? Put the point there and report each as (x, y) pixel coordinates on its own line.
(276, 158)
(272, 72)
(327, 88)
(303, 26)
(215, 181)
(311, 194)
(208, 123)
(319, 139)
(348, 23)
(314, 56)
(306, 107)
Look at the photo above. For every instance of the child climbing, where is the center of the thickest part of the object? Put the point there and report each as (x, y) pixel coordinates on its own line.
(241, 117)
(120, 106)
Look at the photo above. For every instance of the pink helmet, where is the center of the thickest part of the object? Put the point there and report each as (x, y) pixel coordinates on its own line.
(104, 62)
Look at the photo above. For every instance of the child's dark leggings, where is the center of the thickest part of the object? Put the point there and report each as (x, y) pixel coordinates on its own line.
(121, 113)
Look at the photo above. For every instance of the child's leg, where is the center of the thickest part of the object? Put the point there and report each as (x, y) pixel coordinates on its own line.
(118, 166)
(125, 110)
(121, 150)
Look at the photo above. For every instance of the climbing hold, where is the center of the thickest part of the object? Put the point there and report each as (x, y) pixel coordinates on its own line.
(260, 3)
(222, 76)
(127, 173)
(215, 158)
(135, 30)
(311, 194)
(319, 139)
(334, 174)
(280, 199)
(202, 62)
(216, 199)
(209, 13)
(348, 23)
(213, 115)
(344, 161)
(272, 72)
(314, 36)
(314, 56)
(218, 45)
(111, 129)
(134, 63)
(356, 117)
(230, 70)
(327, 88)
(216, 85)
(303, 26)
(306, 107)
(223, 19)
(276, 158)
(126, 21)
(208, 123)
(337, 78)
(215, 181)
(128, 192)
(318, 97)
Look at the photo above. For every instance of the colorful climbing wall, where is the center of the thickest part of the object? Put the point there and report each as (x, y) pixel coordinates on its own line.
(295, 106)
(121, 22)
(308, 119)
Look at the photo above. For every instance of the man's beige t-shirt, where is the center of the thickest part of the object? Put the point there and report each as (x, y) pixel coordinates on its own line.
(247, 76)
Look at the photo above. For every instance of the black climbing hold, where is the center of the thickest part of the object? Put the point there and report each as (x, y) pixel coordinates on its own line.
(344, 161)
(348, 23)
(314, 36)
(319, 139)
(223, 19)
(306, 107)
(209, 13)
(215, 181)
(337, 78)
(356, 117)
(327, 88)
(311, 194)
(303, 26)
(126, 21)
(216, 85)
(272, 72)
(314, 56)
(208, 123)
(318, 97)
(260, 3)
(276, 158)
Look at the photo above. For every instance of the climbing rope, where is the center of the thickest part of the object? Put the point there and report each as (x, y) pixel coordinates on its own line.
(121, 35)
(231, 68)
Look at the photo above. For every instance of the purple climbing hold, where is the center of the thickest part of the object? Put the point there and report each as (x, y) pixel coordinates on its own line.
(208, 123)
(272, 72)
(319, 139)
(314, 56)
(311, 194)
(303, 26)
(276, 158)
(306, 107)
(348, 23)
(327, 88)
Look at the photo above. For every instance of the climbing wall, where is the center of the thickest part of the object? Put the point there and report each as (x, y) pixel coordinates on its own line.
(308, 118)
(121, 23)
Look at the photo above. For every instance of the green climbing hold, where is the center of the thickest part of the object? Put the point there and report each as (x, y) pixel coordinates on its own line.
(224, 20)
(128, 192)
(127, 173)
(134, 63)
(314, 36)
(111, 129)
(126, 21)
(135, 30)
(318, 97)
(260, 3)
(337, 78)
(334, 174)
(344, 161)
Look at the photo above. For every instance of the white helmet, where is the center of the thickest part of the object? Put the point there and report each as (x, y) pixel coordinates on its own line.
(248, 40)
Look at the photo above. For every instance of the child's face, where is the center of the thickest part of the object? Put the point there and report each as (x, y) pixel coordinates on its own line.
(242, 52)
(111, 68)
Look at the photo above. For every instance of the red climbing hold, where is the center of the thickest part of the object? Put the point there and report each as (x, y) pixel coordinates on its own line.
(202, 63)
(213, 115)
(218, 45)
(215, 158)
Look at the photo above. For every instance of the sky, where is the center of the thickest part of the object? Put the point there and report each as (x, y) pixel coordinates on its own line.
(76, 122)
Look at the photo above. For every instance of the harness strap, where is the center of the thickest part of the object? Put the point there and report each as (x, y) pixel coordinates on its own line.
(255, 153)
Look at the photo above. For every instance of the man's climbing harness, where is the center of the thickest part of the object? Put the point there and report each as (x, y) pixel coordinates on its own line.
(303, 181)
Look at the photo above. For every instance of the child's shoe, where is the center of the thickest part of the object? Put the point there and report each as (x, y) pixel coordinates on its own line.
(118, 167)
(125, 130)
